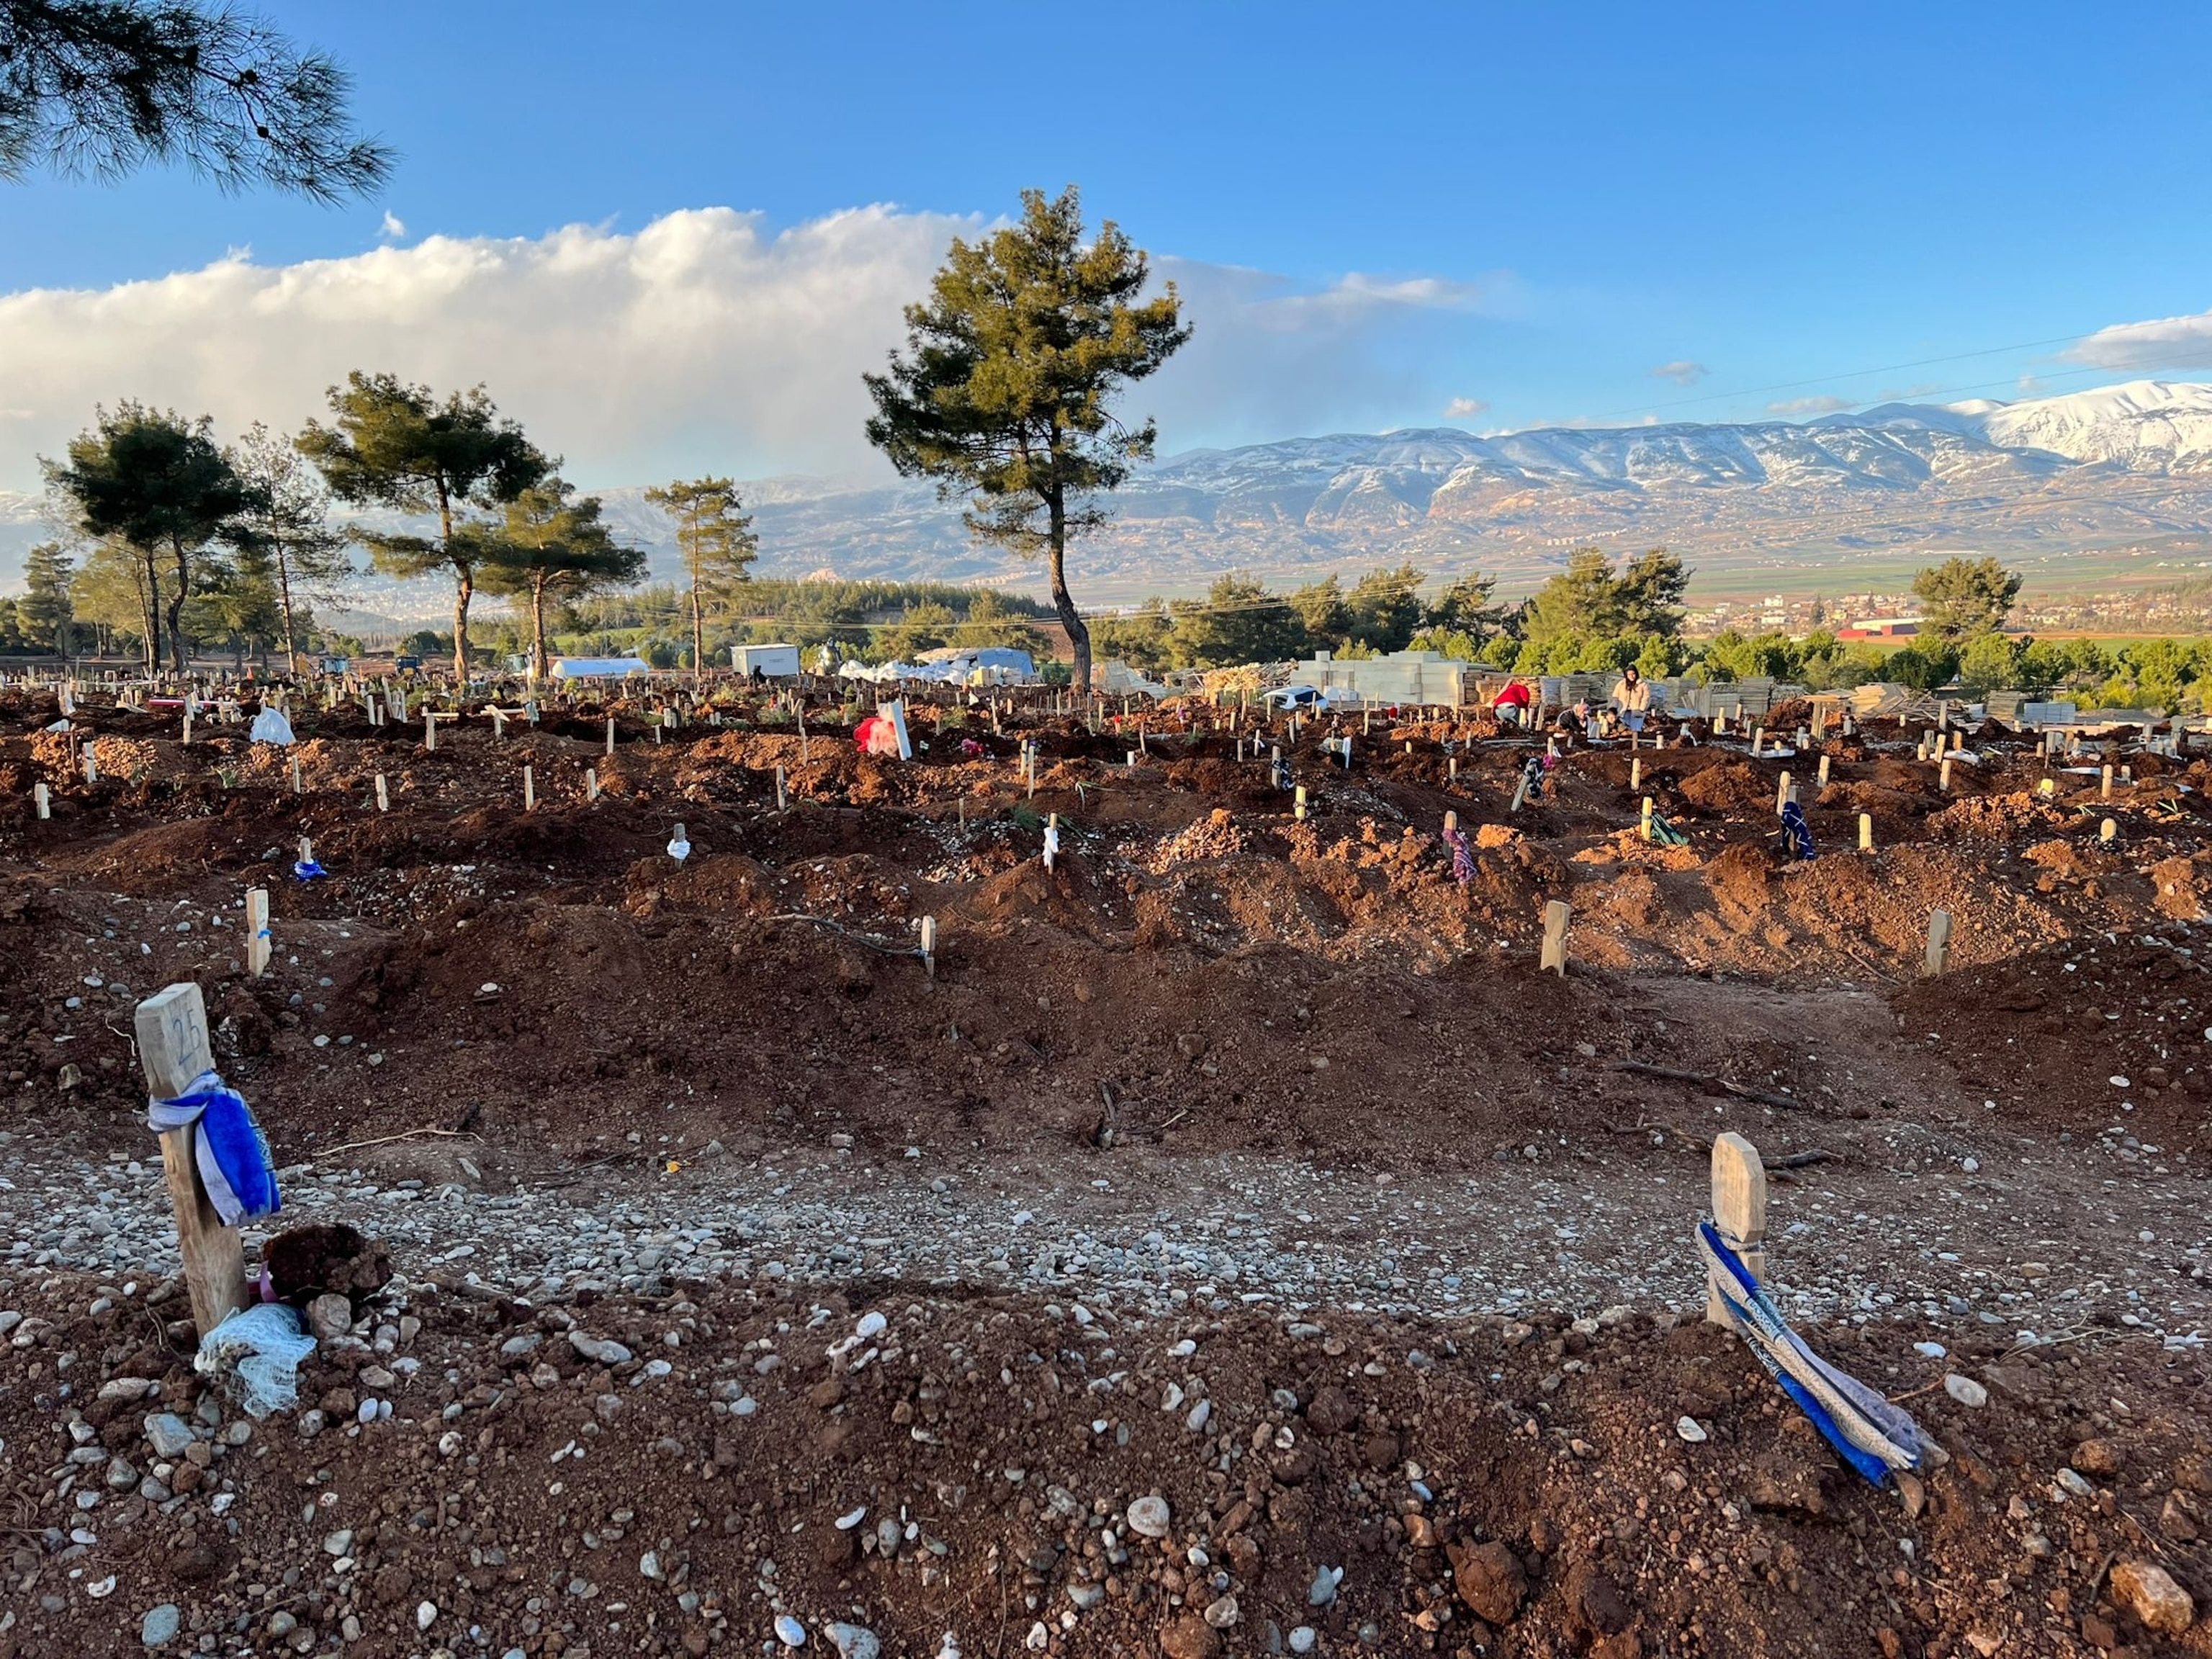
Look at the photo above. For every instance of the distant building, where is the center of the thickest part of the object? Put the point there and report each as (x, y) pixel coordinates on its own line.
(1881, 628)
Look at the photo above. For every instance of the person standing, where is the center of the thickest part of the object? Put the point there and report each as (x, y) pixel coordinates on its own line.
(1632, 698)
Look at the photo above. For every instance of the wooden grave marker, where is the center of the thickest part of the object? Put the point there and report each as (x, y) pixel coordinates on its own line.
(1556, 912)
(172, 1048)
(1739, 1213)
(1939, 943)
(258, 948)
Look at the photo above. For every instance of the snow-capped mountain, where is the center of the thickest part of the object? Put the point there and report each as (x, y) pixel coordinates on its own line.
(2123, 464)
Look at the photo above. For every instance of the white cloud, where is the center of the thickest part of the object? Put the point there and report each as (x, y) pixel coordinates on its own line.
(1464, 409)
(1796, 407)
(2162, 343)
(1681, 371)
(702, 340)
(394, 224)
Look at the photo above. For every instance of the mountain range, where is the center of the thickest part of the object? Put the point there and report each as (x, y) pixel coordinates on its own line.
(2125, 466)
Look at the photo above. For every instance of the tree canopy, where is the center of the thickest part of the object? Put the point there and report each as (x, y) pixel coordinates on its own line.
(162, 485)
(42, 616)
(1006, 387)
(285, 528)
(1962, 598)
(717, 544)
(98, 88)
(549, 544)
(394, 445)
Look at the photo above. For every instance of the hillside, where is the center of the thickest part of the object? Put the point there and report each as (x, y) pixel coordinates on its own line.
(2121, 467)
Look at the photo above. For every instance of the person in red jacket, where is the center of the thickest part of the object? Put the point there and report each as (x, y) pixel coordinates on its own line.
(1512, 705)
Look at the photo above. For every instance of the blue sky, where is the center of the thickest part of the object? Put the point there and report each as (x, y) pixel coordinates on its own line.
(1381, 213)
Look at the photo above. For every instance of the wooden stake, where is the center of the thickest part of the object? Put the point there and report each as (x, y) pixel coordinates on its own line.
(1939, 943)
(611, 734)
(2107, 830)
(41, 799)
(1298, 805)
(929, 945)
(529, 789)
(1647, 818)
(1556, 914)
(258, 946)
(1943, 775)
(1739, 1213)
(1782, 793)
(1824, 772)
(1758, 742)
(383, 795)
(592, 784)
(2104, 792)
(1636, 776)
(172, 1047)
(298, 787)
(430, 729)
(1866, 832)
(781, 799)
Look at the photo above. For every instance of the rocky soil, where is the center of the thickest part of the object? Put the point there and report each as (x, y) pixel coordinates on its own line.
(1234, 1247)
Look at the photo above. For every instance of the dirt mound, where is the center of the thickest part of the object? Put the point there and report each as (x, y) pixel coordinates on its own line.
(1731, 787)
(2095, 1038)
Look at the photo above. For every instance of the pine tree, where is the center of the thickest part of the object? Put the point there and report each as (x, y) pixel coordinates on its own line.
(160, 482)
(1010, 368)
(286, 524)
(717, 543)
(101, 88)
(550, 544)
(395, 445)
(43, 613)
(1964, 599)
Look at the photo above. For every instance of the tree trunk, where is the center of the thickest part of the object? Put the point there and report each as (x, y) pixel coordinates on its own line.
(536, 630)
(150, 599)
(1078, 633)
(464, 587)
(698, 632)
(284, 603)
(176, 605)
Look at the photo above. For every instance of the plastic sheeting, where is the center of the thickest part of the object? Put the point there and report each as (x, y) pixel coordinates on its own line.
(255, 1356)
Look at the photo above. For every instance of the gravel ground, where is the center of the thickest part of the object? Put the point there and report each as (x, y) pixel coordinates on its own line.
(1907, 1221)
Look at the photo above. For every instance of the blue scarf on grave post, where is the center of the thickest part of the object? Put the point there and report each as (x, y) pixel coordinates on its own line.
(229, 1148)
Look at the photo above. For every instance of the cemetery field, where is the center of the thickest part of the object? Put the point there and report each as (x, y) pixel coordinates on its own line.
(853, 1221)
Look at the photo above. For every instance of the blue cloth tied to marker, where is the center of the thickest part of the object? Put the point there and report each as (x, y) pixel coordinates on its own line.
(1796, 834)
(1870, 1434)
(307, 870)
(229, 1148)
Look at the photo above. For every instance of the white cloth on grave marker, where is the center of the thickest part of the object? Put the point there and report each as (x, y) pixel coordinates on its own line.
(1051, 845)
